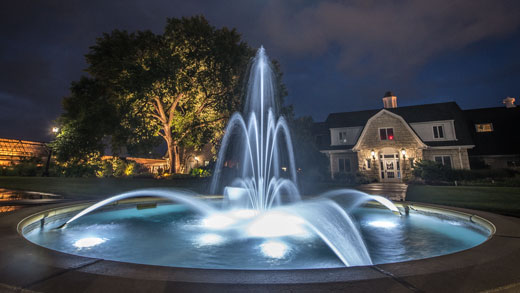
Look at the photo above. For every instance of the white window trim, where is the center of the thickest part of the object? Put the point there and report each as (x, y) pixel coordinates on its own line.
(344, 159)
(379, 134)
(442, 159)
(443, 132)
(339, 137)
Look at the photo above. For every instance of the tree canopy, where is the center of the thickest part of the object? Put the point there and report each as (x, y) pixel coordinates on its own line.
(181, 85)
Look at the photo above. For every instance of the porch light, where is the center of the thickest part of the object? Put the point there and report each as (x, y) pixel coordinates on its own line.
(403, 152)
(373, 154)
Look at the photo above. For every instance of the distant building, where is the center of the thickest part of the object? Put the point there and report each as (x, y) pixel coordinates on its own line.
(12, 151)
(383, 144)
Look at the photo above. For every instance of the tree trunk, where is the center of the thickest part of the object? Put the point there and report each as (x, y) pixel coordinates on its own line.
(174, 161)
(171, 157)
(177, 161)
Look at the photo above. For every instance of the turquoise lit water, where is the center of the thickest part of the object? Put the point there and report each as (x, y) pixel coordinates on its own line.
(171, 235)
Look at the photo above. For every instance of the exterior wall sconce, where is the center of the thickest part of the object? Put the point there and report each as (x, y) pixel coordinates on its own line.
(373, 154)
(403, 152)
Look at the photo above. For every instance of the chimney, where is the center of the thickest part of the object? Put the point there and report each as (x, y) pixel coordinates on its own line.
(389, 100)
(510, 102)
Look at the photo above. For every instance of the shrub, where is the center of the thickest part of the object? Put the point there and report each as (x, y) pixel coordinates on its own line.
(76, 169)
(436, 173)
(200, 172)
(117, 167)
(431, 171)
(26, 167)
(351, 178)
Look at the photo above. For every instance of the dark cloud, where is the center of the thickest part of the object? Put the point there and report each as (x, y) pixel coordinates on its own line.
(336, 55)
(389, 37)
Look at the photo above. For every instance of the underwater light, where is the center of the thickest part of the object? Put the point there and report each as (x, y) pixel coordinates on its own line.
(382, 224)
(274, 249)
(217, 221)
(235, 193)
(89, 242)
(210, 239)
(277, 224)
(243, 213)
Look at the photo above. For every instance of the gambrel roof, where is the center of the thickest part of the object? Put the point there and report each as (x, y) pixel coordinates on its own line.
(410, 114)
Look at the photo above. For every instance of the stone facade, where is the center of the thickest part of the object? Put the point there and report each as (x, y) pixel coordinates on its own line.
(371, 147)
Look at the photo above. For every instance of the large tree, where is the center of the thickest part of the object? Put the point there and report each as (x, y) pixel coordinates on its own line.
(181, 85)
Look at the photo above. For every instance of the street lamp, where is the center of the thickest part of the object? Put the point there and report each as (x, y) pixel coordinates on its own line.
(55, 131)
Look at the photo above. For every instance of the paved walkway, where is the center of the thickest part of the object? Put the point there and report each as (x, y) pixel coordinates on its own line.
(392, 191)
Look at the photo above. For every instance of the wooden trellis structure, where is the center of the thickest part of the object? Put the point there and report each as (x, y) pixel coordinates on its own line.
(14, 150)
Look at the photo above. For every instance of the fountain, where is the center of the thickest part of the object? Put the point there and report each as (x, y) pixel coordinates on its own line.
(261, 214)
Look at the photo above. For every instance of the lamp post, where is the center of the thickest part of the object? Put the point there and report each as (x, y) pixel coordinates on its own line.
(55, 131)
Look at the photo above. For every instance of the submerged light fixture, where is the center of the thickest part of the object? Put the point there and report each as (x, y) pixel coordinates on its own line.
(89, 242)
(274, 249)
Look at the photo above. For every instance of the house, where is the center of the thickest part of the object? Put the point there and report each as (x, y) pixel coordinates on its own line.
(496, 136)
(383, 144)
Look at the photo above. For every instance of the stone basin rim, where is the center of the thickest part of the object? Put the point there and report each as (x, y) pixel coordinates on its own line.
(500, 227)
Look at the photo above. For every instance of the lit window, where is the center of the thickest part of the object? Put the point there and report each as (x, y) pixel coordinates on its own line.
(484, 127)
(343, 137)
(386, 133)
(438, 131)
(444, 160)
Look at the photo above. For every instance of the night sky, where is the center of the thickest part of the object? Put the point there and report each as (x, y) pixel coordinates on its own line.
(336, 55)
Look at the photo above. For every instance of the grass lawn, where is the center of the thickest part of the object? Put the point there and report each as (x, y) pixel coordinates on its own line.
(94, 188)
(501, 200)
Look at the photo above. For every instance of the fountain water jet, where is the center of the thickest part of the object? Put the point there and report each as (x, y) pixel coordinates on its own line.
(263, 138)
(184, 197)
(359, 198)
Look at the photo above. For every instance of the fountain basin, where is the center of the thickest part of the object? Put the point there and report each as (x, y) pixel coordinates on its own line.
(150, 231)
(23, 264)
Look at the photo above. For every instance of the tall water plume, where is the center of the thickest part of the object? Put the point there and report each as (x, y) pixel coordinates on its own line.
(262, 141)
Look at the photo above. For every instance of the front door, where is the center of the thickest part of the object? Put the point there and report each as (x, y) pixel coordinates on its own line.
(390, 168)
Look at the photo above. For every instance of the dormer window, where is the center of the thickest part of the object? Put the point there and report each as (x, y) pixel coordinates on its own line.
(438, 131)
(343, 137)
(386, 133)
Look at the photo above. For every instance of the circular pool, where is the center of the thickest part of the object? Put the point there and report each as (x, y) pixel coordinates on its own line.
(159, 233)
